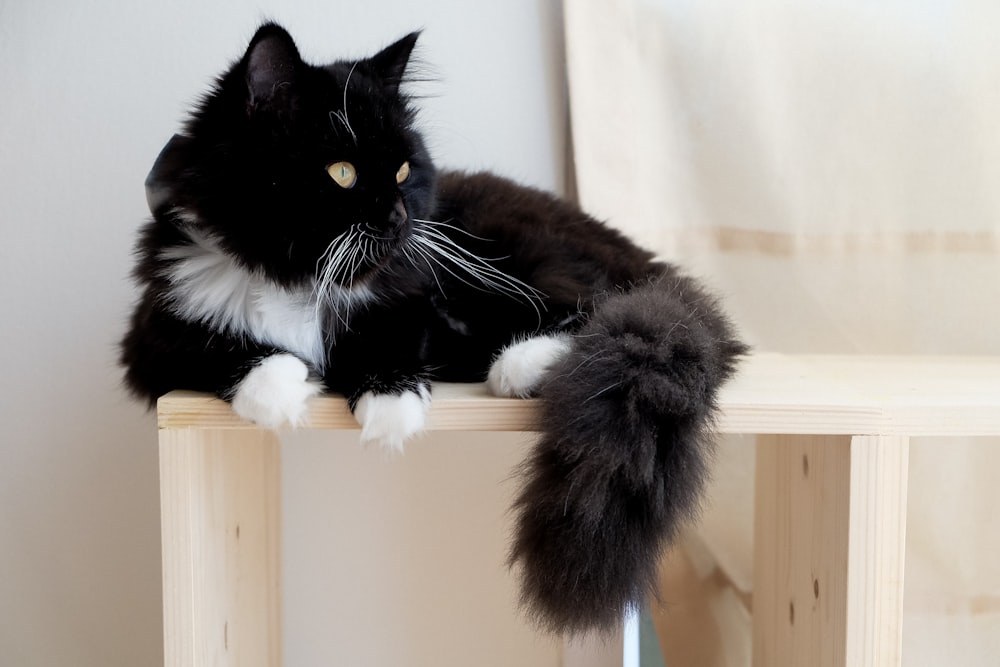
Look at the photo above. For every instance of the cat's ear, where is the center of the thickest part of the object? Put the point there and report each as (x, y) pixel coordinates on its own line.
(272, 64)
(389, 64)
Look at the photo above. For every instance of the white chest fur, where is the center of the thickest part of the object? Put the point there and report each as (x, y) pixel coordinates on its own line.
(209, 286)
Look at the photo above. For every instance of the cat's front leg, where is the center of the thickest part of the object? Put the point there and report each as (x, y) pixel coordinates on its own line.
(264, 384)
(380, 366)
(275, 391)
(392, 413)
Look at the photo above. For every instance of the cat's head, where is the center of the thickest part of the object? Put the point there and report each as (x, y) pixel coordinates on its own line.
(291, 167)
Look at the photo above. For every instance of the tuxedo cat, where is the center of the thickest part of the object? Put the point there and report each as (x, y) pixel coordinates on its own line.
(302, 240)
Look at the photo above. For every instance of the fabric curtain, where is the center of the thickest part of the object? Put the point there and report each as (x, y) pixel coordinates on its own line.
(832, 169)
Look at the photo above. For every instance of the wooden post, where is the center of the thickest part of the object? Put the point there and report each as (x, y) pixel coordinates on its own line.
(829, 543)
(220, 512)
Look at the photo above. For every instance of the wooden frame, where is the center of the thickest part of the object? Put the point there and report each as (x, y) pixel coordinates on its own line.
(835, 596)
(830, 503)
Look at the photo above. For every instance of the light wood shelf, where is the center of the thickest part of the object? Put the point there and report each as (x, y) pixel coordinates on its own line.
(773, 393)
(830, 502)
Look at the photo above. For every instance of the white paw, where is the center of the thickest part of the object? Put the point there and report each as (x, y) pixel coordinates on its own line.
(389, 420)
(519, 368)
(275, 392)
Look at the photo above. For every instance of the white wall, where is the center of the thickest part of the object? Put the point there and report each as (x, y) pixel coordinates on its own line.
(382, 556)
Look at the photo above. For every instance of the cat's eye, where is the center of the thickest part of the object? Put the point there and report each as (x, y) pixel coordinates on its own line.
(343, 174)
(403, 173)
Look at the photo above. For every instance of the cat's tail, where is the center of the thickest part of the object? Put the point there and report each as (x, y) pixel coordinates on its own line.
(624, 446)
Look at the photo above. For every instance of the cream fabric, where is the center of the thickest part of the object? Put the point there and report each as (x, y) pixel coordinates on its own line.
(833, 169)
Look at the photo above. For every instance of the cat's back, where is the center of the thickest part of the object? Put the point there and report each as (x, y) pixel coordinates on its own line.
(550, 234)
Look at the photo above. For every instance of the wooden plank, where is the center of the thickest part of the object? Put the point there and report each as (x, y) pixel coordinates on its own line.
(773, 393)
(455, 407)
(858, 394)
(877, 549)
(829, 537)
(801, 515)
(220, 513)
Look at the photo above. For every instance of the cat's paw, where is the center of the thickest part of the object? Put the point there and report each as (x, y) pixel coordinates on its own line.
(275, 392)
(518, 370)
(389, 420)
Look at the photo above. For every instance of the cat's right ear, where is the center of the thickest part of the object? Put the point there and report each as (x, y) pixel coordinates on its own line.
(272, 63)
(390, 63)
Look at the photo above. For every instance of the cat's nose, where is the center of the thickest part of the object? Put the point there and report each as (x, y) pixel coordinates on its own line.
(397, 217)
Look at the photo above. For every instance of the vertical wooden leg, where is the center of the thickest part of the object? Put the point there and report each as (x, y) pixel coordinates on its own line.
(220, 512)
(829, 536)
(877, 550)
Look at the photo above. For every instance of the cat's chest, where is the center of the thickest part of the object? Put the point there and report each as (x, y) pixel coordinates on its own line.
(208, 286)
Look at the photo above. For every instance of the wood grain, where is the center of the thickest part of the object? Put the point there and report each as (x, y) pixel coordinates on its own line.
(829, 542)
(220, 509)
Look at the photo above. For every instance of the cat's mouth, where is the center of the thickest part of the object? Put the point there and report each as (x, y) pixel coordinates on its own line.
(388, 248)
(360, 252)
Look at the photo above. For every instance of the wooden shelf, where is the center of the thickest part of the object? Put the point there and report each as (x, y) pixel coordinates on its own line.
(773, 393)
(830, 506)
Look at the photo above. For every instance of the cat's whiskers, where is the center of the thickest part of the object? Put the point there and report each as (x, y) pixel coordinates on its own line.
(445, 224)
(434, 248)
(337, 269)
(341, 114)
(345, 255)
(334, 262)
(357, 258)
(447, 241)
(479, 266)
(354, 260)
(437, 254)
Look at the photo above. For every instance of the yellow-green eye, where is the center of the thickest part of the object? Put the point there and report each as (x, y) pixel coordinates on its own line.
(403, 173)
(343, 174)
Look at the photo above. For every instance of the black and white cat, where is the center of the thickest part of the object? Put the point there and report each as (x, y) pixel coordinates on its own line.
(303, 241)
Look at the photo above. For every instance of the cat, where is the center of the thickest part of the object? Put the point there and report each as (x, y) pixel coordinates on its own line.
(303, 241)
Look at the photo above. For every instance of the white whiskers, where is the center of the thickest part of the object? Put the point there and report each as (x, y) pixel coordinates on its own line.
(335, 273)
(361, 246)
(434, 248)
(341, 114)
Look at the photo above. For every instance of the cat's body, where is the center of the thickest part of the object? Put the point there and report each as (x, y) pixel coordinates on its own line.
(302, 240)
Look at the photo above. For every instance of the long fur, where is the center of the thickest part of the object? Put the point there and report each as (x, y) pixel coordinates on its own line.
(623, 453)
(263, 280)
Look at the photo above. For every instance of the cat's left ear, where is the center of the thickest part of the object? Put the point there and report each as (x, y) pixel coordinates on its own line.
(389, 64)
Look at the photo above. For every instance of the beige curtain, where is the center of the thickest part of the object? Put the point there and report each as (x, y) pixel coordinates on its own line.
(833, 169)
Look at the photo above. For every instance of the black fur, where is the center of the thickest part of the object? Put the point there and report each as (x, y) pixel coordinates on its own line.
(626, 413)
(623, 451)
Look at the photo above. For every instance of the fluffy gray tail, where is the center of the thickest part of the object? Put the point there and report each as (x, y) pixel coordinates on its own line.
(623, 453)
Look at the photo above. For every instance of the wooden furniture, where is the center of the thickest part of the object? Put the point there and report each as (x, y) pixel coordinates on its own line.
(830, 503)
